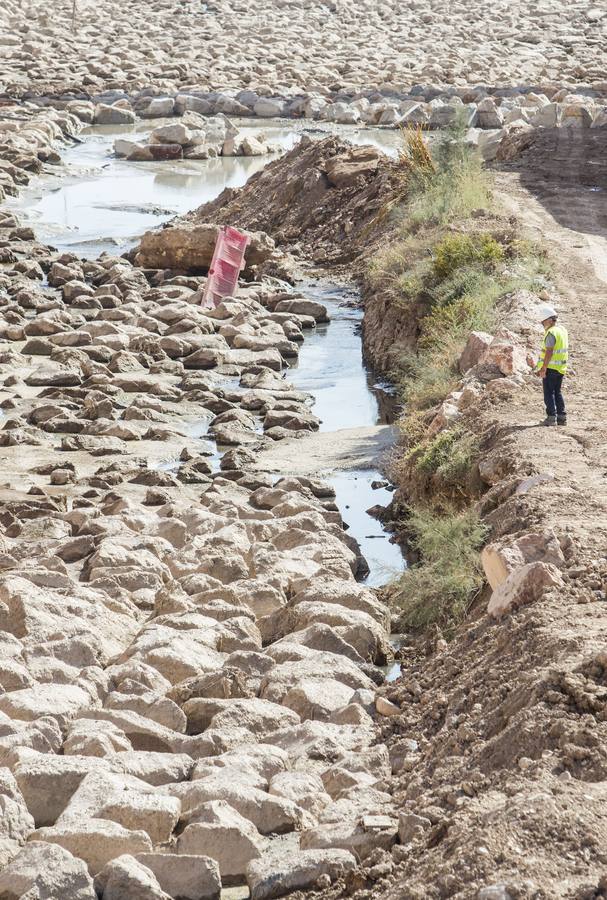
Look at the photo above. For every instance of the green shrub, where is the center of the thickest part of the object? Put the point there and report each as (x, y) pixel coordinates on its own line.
(436, 452)
(456, 470)
(454, 321)
(409, 285)
(448, 196)
(456, 186)
(457, 251)
(440, 588)
(428, 378)
(464, 282)
(450, 457)
(465, 300)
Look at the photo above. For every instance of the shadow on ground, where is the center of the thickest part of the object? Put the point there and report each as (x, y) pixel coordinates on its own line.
(558, 163)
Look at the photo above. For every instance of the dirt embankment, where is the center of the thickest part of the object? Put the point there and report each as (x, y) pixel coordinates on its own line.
(499, 750)
(388, 330)
(318, 202)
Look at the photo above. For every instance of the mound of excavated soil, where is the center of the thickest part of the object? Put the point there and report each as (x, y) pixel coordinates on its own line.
(319, 201)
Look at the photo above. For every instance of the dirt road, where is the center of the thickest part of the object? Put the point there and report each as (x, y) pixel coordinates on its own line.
(561, 197)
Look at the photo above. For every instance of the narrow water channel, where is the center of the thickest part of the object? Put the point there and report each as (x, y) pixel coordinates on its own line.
(97, 203)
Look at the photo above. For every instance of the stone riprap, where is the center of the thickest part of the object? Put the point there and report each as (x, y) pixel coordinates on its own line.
(188, 665)
(280, 49)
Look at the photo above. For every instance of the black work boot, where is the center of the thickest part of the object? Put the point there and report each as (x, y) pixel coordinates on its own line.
(561, 420)
(549, 420)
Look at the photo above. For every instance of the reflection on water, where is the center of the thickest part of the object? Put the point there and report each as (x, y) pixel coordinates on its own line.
(107, 205)
(330, 366)
(354, 496)
(96, 202)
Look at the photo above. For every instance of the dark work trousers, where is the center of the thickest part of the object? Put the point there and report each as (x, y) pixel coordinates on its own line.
(555, 405)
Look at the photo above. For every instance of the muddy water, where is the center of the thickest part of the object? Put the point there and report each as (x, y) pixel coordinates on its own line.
(331, 368)
(96, 203)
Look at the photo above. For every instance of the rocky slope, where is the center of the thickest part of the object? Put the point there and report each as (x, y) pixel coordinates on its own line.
(290, 46)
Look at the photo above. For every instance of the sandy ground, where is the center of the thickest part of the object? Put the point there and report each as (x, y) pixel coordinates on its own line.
(320, 453)
(563, 202)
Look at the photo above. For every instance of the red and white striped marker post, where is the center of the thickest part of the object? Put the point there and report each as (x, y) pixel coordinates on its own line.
(226, 265)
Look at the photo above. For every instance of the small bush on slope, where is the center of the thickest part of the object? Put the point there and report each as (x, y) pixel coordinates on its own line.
(441, 587)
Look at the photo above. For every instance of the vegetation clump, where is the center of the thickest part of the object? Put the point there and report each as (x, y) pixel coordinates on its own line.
(440, 588)
(450, 262)
(449, 457)
(466, 251)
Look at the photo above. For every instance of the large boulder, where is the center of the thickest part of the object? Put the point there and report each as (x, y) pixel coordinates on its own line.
(47, 870)
(354, 167)
(158, 108)
(96, 841)
(48, 782)
(113, 115)
(276, 875)
(523, 585)
(477, 344)
(153, 813)
(304, 788)
(360, 838)
(303, 306)
(269, 814)
(183, 875)
(575, 115)
(506, 354)
(60, 700)
(219, 831)
(176, 133)
(125, 878)
(500, 559)
(191, 246)
(16, 822)
(489, 115)
(315, 699)
(269, 107)
(547, 116)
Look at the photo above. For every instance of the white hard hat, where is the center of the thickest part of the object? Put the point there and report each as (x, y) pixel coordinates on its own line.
(546, 312)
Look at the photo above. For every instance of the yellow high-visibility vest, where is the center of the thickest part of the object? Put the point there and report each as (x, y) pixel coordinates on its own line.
(560, 351)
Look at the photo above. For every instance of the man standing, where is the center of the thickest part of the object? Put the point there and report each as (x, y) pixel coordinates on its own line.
(552, 365)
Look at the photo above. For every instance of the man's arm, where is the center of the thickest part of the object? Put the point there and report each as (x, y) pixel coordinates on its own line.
(549, 345)
(547, 358)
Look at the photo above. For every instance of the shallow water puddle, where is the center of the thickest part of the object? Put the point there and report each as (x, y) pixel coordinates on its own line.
(354, 496)
(97, 202)
(331, 367)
